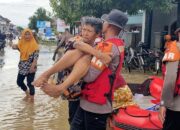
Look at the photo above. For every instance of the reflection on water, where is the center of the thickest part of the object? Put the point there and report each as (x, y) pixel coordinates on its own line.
(15, 114)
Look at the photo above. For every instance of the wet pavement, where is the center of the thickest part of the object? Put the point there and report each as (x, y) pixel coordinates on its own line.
(46, 113)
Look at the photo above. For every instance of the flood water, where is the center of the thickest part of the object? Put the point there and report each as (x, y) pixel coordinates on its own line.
(15, 114)
(45, 113)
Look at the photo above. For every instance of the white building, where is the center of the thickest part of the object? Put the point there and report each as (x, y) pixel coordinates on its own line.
(4, 24)
(134, 29)
(162, 24)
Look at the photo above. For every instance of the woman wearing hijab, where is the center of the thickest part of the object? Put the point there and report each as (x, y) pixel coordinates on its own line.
(29, 52)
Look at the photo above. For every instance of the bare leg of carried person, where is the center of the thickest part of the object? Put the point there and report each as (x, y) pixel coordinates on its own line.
(80, 69)
(68, 60)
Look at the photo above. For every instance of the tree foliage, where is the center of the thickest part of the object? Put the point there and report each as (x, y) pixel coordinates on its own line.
(19, 28)
(40, 14)
(72, 10)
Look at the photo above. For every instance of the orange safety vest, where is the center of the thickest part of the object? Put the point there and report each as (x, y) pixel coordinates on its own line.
(102, 88)
(172, 53)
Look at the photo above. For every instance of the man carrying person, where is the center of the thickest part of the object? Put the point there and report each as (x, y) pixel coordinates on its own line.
(96, 102)
(91, 30)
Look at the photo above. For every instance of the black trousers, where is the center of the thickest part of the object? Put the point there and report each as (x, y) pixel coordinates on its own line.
(84, 120)
(73, 106)
(30, 79)
(172, 120)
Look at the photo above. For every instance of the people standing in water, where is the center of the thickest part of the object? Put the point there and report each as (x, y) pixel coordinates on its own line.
(29, 53)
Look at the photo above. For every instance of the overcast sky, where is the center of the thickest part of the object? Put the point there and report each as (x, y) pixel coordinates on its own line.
(18, 11)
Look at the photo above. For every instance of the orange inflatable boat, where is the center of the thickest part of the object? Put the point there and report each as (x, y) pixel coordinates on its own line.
(135, 118)
(155, 88)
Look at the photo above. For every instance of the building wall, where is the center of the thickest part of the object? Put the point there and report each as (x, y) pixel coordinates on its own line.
(133, 30)
(160, 20)
(132, 37)
(4, 24)
(2, 27)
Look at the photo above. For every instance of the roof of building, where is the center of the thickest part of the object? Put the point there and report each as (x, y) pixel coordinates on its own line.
(5, 19)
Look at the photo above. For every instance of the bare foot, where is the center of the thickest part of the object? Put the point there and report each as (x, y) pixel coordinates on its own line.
(31, 98)
(27, 96)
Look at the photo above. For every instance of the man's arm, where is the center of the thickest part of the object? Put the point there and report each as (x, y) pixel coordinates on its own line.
(86, 48)
(93, 72)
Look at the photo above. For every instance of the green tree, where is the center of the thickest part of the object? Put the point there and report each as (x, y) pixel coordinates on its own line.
(67, 10)
(73, 10)
(132, 7)
(40, 14)
(19, 28)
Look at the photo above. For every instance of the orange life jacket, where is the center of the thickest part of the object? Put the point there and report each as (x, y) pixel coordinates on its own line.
(172, 52)
(102, 88)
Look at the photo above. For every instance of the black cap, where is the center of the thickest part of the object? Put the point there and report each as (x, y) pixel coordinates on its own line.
(116, 18)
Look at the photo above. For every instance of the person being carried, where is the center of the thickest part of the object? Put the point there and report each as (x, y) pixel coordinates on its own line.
(78, 56)
(91, 29)
(96, 102)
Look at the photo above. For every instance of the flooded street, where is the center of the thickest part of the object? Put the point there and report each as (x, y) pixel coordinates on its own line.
(15, 114)
(46, 113)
